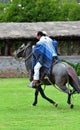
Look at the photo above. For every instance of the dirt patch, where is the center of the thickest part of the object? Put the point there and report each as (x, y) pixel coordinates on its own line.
(9, 73)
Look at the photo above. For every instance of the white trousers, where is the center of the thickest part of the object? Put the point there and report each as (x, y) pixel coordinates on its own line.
(36, 71)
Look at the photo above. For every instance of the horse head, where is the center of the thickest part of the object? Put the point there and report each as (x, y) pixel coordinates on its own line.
(21, 51)
(25, 52)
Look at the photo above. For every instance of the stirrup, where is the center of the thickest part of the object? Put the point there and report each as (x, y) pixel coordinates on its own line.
(34, 85)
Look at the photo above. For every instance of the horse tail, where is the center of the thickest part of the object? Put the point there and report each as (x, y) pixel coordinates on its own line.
(74, 80)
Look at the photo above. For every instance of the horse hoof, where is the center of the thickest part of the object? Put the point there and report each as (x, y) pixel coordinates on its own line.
(71, 106)
(33, 104)
(55, 104)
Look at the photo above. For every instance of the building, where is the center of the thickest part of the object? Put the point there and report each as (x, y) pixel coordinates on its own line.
(12, 35)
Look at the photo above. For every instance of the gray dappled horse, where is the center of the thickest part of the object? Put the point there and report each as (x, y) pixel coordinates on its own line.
(61, 74)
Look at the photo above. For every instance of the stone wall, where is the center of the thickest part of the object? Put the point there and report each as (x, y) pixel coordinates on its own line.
(11, 67)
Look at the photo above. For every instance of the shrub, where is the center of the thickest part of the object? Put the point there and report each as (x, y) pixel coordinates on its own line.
(41, 10)
(75, 66)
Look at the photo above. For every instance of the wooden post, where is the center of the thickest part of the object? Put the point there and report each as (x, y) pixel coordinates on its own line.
(68, 48)
(6, 49)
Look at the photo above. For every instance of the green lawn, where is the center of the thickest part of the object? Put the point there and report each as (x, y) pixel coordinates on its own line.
(17, 113)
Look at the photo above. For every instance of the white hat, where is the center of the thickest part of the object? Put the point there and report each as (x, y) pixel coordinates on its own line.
(44, 32)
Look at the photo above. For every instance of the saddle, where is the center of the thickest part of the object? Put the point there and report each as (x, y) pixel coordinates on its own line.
(45, 74)
(44, 77)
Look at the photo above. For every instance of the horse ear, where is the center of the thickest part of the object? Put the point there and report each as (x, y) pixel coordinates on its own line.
(33, 46)
(28, 44)
(22, 45)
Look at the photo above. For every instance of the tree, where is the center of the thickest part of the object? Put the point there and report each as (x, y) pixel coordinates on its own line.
(41, 10)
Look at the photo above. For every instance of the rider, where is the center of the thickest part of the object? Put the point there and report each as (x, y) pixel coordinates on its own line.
(44, 54)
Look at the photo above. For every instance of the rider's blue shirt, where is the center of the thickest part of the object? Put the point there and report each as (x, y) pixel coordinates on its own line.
(55, 44)
(43, 54)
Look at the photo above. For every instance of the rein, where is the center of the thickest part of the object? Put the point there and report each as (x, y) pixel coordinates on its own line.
(24, 48)
(28, 56)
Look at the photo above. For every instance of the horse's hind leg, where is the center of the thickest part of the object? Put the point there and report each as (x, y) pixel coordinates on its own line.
(68, 91)
(36, 97)
(45, 97)
(69, 101)
(69, 98)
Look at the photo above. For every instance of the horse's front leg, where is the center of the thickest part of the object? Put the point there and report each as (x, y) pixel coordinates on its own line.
(36, 97)
(45, 97)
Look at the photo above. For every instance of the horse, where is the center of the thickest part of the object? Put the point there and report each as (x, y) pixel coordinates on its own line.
(62, 75)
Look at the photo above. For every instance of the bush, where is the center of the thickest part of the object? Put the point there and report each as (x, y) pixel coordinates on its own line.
(75, 66)
(70, 12)
(41, 10)
(2, 7)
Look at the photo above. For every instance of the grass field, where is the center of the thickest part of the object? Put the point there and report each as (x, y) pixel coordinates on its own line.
(17, 113)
